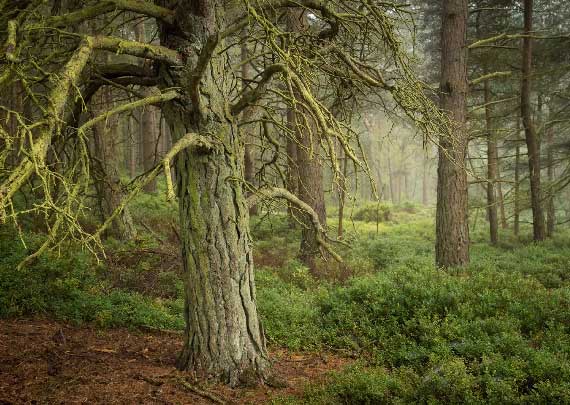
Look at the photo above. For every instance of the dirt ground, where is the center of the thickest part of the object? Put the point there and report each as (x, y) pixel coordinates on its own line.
(47, 362)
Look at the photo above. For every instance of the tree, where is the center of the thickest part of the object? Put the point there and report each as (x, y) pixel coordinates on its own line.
(532, 142)
(492, 172)
(202, 106)
(452, 230)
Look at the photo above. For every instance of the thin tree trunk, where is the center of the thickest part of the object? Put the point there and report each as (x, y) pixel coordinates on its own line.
(310, 189)
(342, 195)
(391, 177)
(516, 225)
(310, 174)
(452, 229)
(550, 212)
(424, 183)
(500, 197)
(491, 170)
(108, 184)
(292, 182)
(148, 126)
(532, 142)
(133, 148)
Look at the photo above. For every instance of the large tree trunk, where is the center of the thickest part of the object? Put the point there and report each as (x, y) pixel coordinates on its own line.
(223, 335)
(491, 170)
(531, 138)
(452, 230)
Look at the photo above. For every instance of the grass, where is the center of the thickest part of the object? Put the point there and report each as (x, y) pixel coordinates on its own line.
(497, 331)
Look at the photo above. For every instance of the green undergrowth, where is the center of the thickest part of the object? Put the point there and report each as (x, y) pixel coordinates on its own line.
(497, 331)
(72, 287)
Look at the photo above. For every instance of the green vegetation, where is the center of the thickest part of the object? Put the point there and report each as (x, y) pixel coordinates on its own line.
(497, 331)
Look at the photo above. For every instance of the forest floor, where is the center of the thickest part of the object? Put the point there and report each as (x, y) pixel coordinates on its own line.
(48, 362)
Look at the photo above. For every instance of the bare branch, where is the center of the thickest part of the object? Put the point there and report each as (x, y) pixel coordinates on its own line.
(253, 95)
(137, 6)
(276, 192)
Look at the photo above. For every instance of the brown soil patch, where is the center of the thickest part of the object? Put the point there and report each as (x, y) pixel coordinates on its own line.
(47, 362)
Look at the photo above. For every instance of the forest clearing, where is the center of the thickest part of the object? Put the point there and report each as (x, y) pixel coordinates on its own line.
(284, 201)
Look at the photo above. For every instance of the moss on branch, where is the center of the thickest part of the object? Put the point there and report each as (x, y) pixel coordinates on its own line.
(155, 99)
(137, 6)
(139, 49)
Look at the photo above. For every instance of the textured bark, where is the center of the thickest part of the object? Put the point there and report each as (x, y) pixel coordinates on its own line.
(491, 170)
(311, 191)
(452, 230)
(223, 335)
(532, 142)
(310, 174)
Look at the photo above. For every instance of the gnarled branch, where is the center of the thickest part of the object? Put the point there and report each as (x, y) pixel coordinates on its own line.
(267, 193)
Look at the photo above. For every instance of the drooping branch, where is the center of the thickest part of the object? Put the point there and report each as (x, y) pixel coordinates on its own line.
(68, 78)
(268, 193)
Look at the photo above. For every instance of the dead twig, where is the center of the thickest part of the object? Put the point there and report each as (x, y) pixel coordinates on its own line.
(200, 392)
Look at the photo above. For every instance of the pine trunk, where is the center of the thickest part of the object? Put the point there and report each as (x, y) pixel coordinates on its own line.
(223, 335)
(148, 126)
(550, 212)
(532, 142)
(491, 171)
(452, 230)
